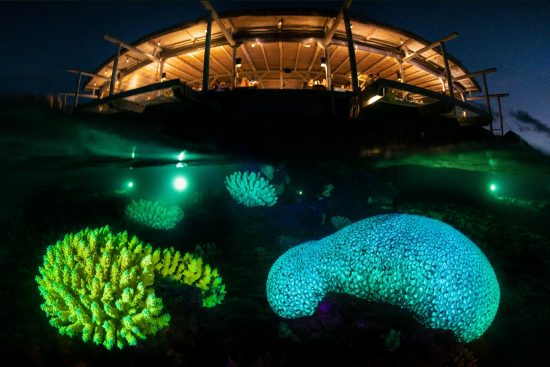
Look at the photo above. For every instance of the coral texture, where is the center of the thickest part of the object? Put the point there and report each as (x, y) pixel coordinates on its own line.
(414, 262)
(154, 214)
(340, 222)
(100, 285)
(250, 189)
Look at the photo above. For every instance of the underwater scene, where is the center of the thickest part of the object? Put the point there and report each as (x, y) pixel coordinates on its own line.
(123, 249)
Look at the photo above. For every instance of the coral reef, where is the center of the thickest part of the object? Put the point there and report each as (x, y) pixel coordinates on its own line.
(250, 189)
(154, 214)
(413, 262)
(100, 285)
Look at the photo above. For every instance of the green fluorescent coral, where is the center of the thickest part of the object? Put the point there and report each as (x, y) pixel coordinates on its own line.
(250, 189)
(100, 285)
(154, 214)
(414, 262)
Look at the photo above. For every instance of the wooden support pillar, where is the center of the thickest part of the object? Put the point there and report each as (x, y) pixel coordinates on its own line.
(488, 100)
(401, 73)
(351, 50)
(161, 69)
(327, 69)
(281, 65)
(77, 91)
(206, 65)
(501, 118)
(447, 70)
(114, 72)
(234, 69)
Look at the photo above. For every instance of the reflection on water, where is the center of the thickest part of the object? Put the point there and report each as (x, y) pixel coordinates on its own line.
(63, 177)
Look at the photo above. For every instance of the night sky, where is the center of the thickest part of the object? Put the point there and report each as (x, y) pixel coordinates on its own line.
(40, 39)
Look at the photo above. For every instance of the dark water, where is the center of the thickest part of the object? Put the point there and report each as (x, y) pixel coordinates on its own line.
(61, 178)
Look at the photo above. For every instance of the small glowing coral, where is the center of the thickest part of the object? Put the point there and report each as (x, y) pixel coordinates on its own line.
(250, 189)
(100, 285)
(154, 214)
(414, 262)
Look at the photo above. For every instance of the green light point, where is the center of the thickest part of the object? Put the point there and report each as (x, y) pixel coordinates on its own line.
(180, 183)
(493, 187)
(130, 184)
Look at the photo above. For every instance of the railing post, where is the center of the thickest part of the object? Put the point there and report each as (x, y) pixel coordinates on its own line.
(327, 69)
(234, 68)
(501, 119)
(447, 70)
(114, 73)
(206, 65)
(77, 91)
(351, 51)
(488, 100)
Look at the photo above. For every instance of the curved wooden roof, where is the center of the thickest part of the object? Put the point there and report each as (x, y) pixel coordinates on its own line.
(285, 43)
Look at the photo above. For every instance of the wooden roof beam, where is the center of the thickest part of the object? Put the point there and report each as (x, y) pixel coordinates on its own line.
(248, 58)
(265, 57)
(336, 23)
(431, 46)
(129, 47)
(498, 95)
(297, 56)
(92, 75)
(317, 49)
(188, 64)
(219, 22)
(477, 73)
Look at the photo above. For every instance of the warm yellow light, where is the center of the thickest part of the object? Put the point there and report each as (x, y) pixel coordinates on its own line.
(373, 99)
(158, 43)
(307, 45)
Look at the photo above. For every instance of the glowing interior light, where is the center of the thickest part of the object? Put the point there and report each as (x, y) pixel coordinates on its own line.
(373, 99)
(181, 156)
(180, 183)
(493, 187)
(130, 184)
(300, 192)
(180, 165)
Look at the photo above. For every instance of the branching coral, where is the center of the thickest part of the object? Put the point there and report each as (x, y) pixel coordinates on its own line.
(250, 189)
(414, 262)
(154, 214)
(100, 285)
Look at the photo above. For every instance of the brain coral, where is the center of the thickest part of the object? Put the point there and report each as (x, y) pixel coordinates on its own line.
(154, 214)
(414, 262)
(250, 189)
(100, 285)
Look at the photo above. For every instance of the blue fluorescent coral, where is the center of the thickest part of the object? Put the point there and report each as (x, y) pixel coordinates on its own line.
(414, 262)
